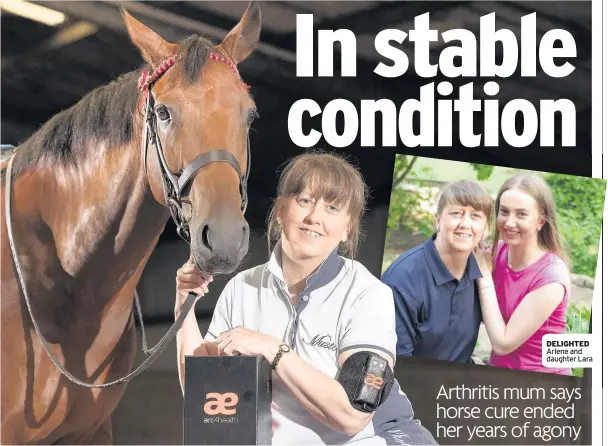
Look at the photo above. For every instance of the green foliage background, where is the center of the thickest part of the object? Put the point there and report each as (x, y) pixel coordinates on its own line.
(577, 321)
(580, 202)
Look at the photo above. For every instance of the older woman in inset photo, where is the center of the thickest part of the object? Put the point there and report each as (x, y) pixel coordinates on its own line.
(433, 284)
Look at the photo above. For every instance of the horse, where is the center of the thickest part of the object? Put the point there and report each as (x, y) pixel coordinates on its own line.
(90, 193)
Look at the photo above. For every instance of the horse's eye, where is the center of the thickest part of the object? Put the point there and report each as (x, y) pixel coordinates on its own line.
(162, 113)
(253, 114)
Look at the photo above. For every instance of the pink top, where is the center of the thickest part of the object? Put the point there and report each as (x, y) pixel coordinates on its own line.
(511, 287)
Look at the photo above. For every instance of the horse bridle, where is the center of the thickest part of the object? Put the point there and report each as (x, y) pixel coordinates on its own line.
(173, 187)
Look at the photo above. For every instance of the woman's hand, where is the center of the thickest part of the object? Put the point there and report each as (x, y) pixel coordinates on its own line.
(243, 341)
(190, 279)
(483, 257)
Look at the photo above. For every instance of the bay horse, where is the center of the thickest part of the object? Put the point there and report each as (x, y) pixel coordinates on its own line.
(88, 201)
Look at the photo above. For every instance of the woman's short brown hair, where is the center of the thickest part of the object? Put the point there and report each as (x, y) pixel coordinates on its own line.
(331, 178)
(466, 193)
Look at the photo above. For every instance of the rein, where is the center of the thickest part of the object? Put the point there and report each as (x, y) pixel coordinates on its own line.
(173, 186)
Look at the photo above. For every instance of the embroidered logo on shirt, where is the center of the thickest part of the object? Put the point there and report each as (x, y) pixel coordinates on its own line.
(323, 341)
(399, 436)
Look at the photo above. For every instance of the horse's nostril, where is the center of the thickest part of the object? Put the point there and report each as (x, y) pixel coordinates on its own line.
(205, 237)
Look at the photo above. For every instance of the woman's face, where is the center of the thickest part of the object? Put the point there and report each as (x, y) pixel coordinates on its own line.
(312, 229)
(518, 219)
(461, 228)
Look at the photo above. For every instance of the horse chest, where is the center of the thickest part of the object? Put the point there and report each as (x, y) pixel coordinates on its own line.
(51, 408)
(70, 415)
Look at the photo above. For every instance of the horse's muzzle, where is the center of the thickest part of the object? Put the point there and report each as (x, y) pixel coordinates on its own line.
(219, 244)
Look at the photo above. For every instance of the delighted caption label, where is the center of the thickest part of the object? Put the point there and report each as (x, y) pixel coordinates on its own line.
(545, 418)
(568, 350)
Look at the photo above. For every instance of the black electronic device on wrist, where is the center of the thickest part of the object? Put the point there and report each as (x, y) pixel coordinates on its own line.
(369, 394)
(367, 379)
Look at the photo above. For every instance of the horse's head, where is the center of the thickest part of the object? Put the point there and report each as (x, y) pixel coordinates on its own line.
(198, 106)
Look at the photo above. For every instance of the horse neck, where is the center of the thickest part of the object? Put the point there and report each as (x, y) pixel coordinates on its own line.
(103, 220)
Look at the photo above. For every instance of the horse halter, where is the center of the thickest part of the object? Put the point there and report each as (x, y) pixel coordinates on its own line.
(174, 185)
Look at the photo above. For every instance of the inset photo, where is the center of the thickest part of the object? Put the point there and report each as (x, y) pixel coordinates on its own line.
(483, 260)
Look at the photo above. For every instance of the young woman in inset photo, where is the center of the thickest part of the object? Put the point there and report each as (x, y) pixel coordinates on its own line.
(311, 312)
(525, 295)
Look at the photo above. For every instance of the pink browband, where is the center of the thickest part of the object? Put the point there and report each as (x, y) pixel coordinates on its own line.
(148, 77)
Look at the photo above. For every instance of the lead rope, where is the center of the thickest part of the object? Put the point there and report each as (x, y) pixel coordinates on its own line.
(144, 342)
(154, 352)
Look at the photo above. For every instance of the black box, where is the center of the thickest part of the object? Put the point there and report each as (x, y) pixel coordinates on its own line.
(227, 400)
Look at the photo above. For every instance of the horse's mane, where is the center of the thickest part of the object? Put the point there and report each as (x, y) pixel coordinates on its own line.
(105, 116)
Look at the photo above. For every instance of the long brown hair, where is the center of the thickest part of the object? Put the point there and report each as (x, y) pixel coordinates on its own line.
(330, 177)
(549, 237)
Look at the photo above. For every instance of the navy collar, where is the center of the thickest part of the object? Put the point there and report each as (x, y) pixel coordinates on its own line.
(325, 273)
(441, 273)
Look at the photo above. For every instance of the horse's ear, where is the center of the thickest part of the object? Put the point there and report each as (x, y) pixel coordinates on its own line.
(240, 42)
(154, 49)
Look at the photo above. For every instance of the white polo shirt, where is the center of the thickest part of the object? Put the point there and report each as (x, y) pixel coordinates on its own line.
(342, 307)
